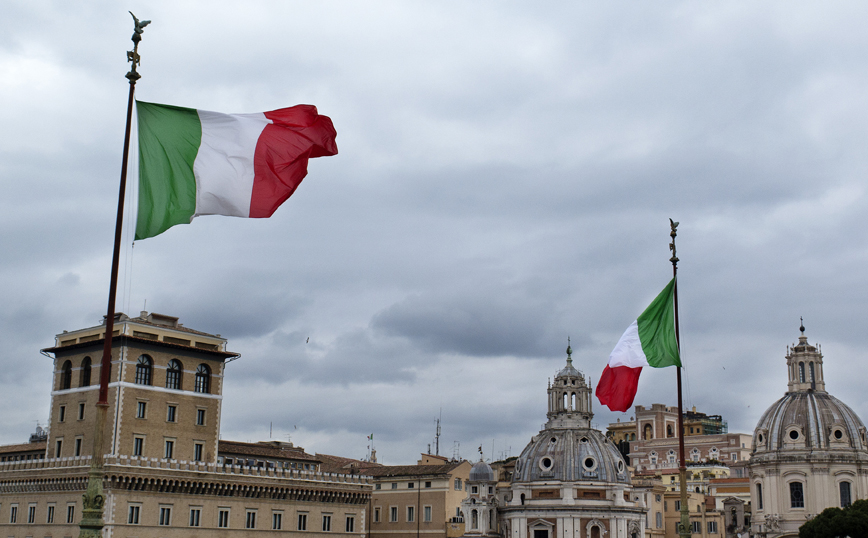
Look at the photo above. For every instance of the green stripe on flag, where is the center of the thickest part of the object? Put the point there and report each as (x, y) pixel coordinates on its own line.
(657, 330)
(169, 139)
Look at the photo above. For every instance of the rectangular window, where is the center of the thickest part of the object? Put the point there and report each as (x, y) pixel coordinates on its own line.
(393, 514)
(133, 514)
(200, 417)
(378, 486)
(13, 513)
(197, 451)
(170, 449)
(195, 516)
(50, 517)
(712, 527)
(411, 485)
(426, 514)
(81, 411)
(351, 524)
(394, 485)
(70, 513)
(696, 527)
(31, 513)
(474, 489)
(171, 413)
(141, 409)
(677, 506)
(165, 516)
(302, 522)
(58, 445)
(427, 484)
(411, 514)
(797, 495)
(138, 445)
(457, 484)
(759, 496)
(223, 518)
(61, 414)
(844, 490)
(326, 523)
(250, 522)
(276, 521)
(78, 446)
(377, 514)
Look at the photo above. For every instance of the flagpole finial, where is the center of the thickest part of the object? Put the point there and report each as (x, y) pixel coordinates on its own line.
(674, 227)
(133, 55)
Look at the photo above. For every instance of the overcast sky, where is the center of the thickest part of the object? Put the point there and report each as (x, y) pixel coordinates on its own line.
(505, 178)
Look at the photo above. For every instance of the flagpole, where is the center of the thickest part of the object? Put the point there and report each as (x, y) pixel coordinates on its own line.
(684, 525)
(92, 522)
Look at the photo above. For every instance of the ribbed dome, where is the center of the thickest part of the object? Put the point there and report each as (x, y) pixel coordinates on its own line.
(481, 472)
(570, 455)
(811, 420)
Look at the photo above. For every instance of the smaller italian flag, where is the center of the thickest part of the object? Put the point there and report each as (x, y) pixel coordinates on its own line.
(195, 162)
(648, 341)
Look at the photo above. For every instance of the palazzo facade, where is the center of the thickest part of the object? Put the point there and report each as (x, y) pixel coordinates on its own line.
(166, 472)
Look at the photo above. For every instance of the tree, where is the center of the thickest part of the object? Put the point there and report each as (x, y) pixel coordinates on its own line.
(851, 521)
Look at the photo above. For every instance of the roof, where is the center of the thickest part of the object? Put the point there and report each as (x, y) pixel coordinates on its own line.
(99, 343)
(340, 464)
(266, 450)
(412, 470)
(24, 447)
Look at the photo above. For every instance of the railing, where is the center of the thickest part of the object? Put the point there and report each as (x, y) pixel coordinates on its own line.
(182, 465)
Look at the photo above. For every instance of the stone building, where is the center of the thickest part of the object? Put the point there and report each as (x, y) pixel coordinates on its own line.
(480, 506)
(423, 499)
(570, 480)
(165, 475)
(810, 450)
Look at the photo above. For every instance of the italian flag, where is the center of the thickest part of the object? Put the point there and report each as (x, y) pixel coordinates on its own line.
(648, 341)
(195, 162)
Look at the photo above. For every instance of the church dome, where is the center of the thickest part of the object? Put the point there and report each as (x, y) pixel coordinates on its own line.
(481, 472)
(808, 417)
(568, 448)
(570, 455)
(809, 420)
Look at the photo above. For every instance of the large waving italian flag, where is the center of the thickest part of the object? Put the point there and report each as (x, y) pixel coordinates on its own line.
(648, 341)
(195, 162)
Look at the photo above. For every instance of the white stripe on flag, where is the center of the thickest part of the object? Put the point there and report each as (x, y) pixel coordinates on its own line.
(628, 350)
(224, 165)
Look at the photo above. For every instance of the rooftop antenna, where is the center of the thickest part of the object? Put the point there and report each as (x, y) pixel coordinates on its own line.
(437, 436)
(456, 451)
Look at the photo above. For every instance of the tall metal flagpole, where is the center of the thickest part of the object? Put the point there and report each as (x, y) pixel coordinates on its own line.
(684, 530)
(94, 498)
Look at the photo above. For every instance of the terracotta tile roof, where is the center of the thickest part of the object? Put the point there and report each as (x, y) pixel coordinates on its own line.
(411, 470)
(24, 447)
(265, 450)
(340, 464)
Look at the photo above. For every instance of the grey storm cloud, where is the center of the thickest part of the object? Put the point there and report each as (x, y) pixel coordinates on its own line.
(505, 179)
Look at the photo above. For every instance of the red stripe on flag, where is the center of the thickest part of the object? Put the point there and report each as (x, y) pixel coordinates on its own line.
(297, 134)
(617, 387)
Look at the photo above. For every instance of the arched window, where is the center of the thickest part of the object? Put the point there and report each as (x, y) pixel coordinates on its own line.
(844, 488)
(669, 430)
(66, 376)
(759, 496)
(647, 432)
(566, 399)
(659, 520)
(84, 376)
(573, 402)
(474, 519)
(203, 379)
(173, 375)
(801, 372)
(144, 367)
(811, 371)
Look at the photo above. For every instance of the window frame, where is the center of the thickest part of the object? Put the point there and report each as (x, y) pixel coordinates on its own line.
(165, 519)
(326, 522)
(195, 516)
(276, 520)
(168, 449)
(393, 514)
(174, 375)
(223, 515)
(134, 513)
(144, 371)
(200, 416)
(302, 521)
(797, 494)
(203, 379)
(350, 524)
(250, 518)
(142, 409)
(427, 512)
(172, 413)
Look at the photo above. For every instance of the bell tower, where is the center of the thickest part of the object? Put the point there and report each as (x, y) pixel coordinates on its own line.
(569, 398)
